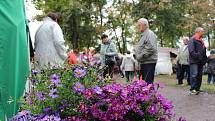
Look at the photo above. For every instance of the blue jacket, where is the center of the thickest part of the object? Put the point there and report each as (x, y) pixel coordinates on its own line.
(107, 50)
(197, 52)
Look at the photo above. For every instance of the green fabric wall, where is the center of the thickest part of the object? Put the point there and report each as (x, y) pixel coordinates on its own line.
(14, 62)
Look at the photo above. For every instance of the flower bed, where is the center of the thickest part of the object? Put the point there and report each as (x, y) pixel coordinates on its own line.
(79, 93)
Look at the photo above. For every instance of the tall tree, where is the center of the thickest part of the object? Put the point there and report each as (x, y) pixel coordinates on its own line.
(82, 20)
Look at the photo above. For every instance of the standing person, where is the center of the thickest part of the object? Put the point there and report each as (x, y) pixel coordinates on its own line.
(128, 64)
(211, 67)
(119, 63)
(197, 59)
(146, 51)
(107, 55)
(183, 62)
(49, 42)
(137, 67)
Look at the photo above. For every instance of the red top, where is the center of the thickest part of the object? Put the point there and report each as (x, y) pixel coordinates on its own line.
(72, 58)
(199, 38)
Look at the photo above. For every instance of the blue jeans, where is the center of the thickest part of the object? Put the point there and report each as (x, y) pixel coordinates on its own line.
(196, 76)
(211, 78)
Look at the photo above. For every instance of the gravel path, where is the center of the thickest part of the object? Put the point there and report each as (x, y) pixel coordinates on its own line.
(193, 107)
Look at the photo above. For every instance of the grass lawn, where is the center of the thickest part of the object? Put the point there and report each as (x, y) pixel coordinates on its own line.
(171, 80)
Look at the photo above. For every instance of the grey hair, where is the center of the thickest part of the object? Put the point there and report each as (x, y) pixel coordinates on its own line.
(143, 21)
(185, 38)
(199, 29)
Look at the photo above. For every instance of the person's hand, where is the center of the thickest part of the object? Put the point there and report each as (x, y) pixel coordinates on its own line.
(32, 59)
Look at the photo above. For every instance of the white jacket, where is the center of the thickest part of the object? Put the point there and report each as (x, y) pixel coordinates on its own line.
(49, 44)
(128, 63)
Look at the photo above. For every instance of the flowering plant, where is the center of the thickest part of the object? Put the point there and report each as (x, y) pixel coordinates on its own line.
(79, 93)
(58, 90)
(135, 102)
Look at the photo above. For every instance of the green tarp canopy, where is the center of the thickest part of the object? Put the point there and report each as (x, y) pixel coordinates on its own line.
(14, 61)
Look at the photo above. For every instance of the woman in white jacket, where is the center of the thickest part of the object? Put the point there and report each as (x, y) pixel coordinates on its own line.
(128, 65)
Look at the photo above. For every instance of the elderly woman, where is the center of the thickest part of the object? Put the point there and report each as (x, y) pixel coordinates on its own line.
(183, 62)
(107, 55)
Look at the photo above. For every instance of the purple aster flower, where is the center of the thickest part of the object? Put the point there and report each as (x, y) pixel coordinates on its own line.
(82, 107)
(88, 93)
(98, 90)
(41, 96)
(34, 72)
(53, 93)
(23, 115)
(51, 118)
(139, 83)
(153, 109)
(34, 81)
(79, 73)
(55, 79)
(167, 104)
(78, 87)
(47, 110)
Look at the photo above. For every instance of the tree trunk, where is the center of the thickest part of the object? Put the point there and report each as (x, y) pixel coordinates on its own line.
(117, 39)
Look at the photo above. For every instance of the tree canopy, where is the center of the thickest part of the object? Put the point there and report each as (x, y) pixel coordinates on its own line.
(84, 21)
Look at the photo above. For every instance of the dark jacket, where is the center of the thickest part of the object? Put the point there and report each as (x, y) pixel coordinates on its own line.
(197, 52)
(211, 65)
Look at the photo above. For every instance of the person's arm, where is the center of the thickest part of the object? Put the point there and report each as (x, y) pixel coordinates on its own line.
(59, 41)
(123, 64)
(179, 53)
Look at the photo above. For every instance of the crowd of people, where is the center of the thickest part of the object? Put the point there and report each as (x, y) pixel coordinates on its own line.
(50, 50)
(192, 60)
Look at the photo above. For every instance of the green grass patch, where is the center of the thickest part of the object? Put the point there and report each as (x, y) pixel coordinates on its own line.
(170, 80)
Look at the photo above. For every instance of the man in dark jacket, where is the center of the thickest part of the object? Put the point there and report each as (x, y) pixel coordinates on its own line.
(197, 59)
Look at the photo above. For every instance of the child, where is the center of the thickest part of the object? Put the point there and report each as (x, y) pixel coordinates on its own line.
(128, 64)
(211, 67)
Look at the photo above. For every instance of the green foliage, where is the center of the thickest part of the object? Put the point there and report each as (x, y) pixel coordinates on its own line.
(83, 21)
(212, 44)
(63, 80)
(79, 19)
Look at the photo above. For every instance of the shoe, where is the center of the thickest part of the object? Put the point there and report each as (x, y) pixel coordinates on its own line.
(199, 91)
(193, 92)
(180, 83)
